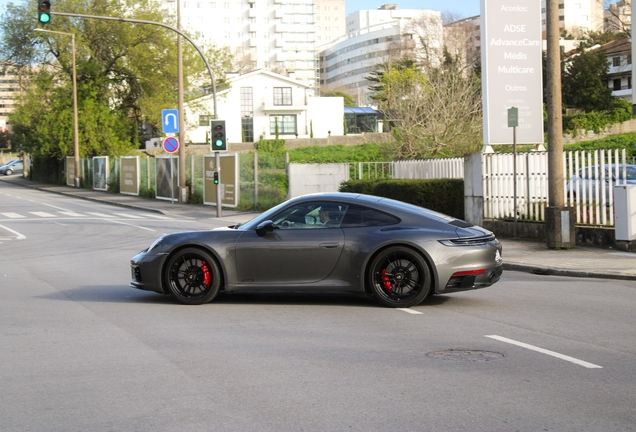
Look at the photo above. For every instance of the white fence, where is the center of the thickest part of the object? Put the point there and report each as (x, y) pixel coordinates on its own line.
(429, 168)
(499, 182)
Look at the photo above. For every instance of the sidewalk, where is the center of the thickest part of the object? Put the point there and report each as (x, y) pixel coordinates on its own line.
(519, 255)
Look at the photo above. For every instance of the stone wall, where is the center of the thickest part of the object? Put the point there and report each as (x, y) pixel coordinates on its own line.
(616, 129)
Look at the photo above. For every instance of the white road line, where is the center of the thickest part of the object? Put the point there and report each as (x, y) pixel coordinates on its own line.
(128, 215)
(43, 214)
(545, 351)
(12, 215)
(102, 215)
(411, 311)
(70, 213)
(18, 235)
(135, 226)
(158, 216)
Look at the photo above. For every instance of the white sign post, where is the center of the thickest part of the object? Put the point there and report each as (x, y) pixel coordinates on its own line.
(511, 70)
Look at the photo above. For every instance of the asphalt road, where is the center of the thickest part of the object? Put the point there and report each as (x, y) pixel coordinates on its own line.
(81, 351)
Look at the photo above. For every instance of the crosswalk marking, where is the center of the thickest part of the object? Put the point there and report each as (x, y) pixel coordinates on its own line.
(43, 214)
(128, 215)
(72, 214)
(13, 215)
(58, 214)
(100, 215)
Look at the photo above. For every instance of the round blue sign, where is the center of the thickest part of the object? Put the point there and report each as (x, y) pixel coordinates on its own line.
(171, 144)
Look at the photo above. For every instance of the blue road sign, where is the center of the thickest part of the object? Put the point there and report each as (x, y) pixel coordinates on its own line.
(171, 144)
(170, 120)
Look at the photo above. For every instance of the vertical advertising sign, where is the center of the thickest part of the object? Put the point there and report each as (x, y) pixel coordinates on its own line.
(129, 175)
(229, 180)
(70, 171)
(511, 48)
(167, 178)
(100, 173)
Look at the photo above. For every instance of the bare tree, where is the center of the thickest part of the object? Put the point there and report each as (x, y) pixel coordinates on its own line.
(617, 17)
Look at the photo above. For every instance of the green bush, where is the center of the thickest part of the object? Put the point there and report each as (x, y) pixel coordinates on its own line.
(275, 146)
(441, 195)
(597, 121)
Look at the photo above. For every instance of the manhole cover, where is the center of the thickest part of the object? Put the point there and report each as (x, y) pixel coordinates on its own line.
(468, 355)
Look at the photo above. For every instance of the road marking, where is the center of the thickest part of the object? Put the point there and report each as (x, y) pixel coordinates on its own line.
(102, 215)
(135, 226)
(18, 235)
(70, 213)
(128, 215)
(12, 215)
(158, 216)
(545, 351)
(411, 311)
(42, 214)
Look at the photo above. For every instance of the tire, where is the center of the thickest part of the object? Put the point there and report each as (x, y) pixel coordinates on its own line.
(193, 276)
(8, 172)
(399, 277)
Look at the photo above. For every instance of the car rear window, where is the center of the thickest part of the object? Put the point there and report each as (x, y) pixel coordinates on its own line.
(360, 216)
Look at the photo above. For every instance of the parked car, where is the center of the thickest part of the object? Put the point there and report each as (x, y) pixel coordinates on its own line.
(396, 252)
(14, 167)
(588, 180)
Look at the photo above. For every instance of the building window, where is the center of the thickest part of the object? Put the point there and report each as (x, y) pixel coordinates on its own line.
(617, 84)
(247, 114)
(286, 124)
(616, 61)
(204, 120)
(282, 96)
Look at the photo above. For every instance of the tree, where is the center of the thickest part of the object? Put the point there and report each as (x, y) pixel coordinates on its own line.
(125, 73)
(348, 100)
(585, 81)
(431, 94)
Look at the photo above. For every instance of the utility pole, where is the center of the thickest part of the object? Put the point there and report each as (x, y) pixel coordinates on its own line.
(560, 228)
(183, 190)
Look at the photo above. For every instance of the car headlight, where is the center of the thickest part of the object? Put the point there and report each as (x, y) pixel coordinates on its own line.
(156, 243)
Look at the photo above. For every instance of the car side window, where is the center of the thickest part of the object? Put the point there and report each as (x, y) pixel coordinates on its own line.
(360, 216)
(318, 214)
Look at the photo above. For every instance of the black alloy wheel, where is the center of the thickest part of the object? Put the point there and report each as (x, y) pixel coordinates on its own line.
(193, 276)
(399, 277)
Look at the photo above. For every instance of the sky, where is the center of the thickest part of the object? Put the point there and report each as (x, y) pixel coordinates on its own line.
(460, 8)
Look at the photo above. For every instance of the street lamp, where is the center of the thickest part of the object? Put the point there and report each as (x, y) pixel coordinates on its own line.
(75, 127)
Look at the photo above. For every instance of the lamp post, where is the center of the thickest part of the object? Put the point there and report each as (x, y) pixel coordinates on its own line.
(75, 126)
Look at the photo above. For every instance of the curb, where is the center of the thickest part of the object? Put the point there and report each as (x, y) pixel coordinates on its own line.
(549, 271)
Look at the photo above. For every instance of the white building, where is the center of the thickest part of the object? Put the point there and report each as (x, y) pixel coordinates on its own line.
(278, 35)
(371, 36)
(577, 16)
(258, 103)
(618, 17)
(619, 57)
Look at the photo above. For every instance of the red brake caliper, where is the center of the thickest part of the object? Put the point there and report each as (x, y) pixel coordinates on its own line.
(207, 276)
(386, 281)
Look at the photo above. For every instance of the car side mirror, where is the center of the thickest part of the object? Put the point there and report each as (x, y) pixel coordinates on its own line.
(265, 227)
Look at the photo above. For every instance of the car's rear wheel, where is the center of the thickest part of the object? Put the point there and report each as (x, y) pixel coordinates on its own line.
(193, 276)
(399, 277)
(9, 172)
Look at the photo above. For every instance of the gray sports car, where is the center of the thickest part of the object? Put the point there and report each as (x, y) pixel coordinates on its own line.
(397, 252)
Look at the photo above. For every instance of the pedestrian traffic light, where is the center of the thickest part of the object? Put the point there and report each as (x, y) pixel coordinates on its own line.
(44, 11)
(216, 177)
(219, 139)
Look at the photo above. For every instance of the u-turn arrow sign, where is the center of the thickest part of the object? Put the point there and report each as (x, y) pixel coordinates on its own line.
(170, 120)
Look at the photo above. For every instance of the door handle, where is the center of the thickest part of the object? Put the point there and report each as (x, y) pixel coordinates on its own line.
(328, 245)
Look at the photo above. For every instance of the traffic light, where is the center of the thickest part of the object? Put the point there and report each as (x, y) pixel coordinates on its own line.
(216, 177)
(44, 11)
(219, 139)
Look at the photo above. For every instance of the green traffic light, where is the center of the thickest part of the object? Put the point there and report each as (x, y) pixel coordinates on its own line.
(44, 18)
(218, 143)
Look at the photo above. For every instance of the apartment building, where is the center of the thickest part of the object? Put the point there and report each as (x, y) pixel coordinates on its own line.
(372, 36)
(619, 57)
(9, 91)
(277, 35)
(577, 16)
(617, 18)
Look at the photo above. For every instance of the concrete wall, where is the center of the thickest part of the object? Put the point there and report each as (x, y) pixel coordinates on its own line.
(312, 178)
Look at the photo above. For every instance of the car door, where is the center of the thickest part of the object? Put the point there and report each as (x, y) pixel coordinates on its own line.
(301, 253)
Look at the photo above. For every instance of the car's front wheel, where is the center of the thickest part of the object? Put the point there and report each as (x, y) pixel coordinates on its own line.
(399, 277)
(193, 276)
(8, 172)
